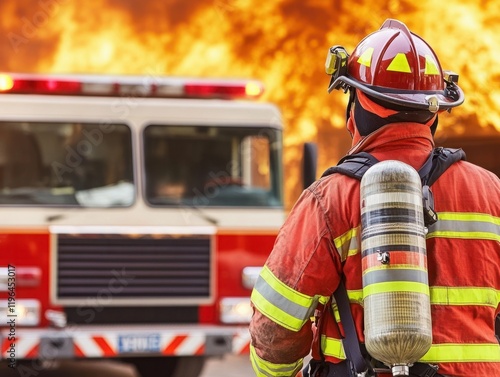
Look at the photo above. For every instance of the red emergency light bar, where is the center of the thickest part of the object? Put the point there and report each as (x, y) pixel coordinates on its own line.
(130, 86)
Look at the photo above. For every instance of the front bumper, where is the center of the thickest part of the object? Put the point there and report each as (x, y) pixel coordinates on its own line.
(124, 341)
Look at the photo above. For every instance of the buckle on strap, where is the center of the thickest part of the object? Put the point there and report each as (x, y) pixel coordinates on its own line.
(424, 370)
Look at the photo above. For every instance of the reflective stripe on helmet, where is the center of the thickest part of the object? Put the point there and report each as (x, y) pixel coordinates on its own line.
(366, 57)
(332, 347)
(466, 225)
(263, 368)
(282, 304)
(451, 352)
(431, 67)
(399, 64)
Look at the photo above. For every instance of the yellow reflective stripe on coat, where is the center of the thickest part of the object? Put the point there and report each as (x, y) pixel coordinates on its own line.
(355, 297)
(263, 368)
(481, 296)
(465, 296)
(456, 353)
(438, 353)
(332, 347)
(282, 304)
(348, 243)
(462, 225)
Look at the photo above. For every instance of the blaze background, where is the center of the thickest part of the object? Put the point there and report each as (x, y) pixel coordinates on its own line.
(283, 43)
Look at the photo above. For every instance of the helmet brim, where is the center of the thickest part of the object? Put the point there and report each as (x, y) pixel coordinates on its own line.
(430, 100)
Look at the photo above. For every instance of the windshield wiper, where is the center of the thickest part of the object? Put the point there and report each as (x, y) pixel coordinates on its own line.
(19, 196)
(183, 205)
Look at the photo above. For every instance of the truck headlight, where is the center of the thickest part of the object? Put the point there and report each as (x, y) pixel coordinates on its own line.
(249, 276)
(235, 310)
(25, 312)
(4, 275)
(25, 276)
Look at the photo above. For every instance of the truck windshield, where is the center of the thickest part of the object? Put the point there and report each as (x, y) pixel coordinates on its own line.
(75, 164)
(212, 166)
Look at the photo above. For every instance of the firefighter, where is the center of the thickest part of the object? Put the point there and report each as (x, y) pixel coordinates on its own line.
(397, 89)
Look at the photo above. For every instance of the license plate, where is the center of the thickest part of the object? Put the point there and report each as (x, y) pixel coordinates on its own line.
(139, 343)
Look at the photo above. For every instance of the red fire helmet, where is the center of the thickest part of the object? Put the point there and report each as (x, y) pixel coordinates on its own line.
(395, 66)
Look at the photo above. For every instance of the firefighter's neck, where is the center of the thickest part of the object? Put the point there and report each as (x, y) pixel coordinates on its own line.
(394, 136)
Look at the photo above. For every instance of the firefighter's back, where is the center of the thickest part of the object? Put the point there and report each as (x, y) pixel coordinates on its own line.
(463, 251)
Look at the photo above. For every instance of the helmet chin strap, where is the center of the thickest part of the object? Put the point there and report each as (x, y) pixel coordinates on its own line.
(354, 129)
(370, 115)
(434, 126)
(352, 94)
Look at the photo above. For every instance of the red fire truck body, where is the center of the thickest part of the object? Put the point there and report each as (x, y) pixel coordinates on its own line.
(136, 213)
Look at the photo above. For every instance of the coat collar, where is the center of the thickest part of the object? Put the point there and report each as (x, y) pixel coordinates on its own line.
(396, 136)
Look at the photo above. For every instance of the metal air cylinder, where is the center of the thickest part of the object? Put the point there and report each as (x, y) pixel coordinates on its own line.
(397, 315)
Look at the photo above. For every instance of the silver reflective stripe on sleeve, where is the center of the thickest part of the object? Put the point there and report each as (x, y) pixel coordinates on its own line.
(282, 304)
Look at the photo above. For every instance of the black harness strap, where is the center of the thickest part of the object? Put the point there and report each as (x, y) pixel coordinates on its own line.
(497, 327)
(350, 342)
(354, 166)
(442, 159)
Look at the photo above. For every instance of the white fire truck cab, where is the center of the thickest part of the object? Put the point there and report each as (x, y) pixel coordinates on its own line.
(136, 213)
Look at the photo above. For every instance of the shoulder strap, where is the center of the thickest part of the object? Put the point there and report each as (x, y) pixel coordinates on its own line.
(354, 166)
(497, 327)
(439, 161)
(350, 342)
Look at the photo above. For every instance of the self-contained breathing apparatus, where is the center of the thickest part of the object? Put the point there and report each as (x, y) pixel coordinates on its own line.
(360, 361)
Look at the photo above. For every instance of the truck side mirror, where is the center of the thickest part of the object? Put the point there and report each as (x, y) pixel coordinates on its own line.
(309, 164)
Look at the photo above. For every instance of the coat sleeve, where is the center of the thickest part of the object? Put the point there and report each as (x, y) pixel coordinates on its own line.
(302, 271)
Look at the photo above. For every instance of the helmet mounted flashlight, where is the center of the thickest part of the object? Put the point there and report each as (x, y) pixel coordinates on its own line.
(336, 66)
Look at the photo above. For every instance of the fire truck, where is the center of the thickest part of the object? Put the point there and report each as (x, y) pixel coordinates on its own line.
(136, 214)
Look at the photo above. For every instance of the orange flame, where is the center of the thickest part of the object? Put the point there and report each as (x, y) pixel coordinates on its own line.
(283, 43)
